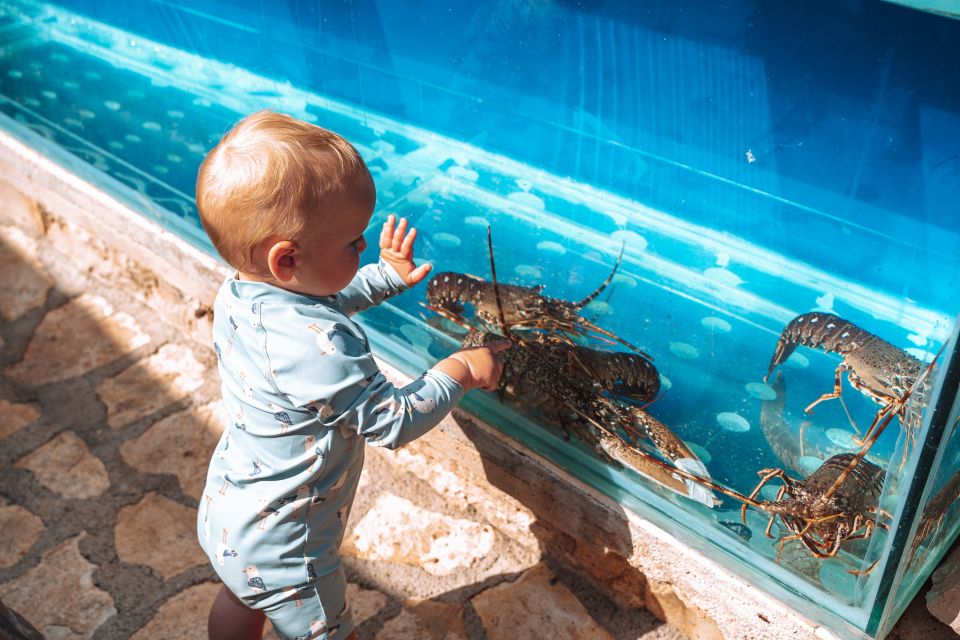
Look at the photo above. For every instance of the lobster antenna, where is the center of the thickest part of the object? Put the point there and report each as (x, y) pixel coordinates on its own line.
(496, 289)
(590, 298)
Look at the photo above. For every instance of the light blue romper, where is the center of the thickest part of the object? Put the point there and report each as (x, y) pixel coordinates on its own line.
(303, 394)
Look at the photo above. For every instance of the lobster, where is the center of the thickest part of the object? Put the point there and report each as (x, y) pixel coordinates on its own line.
(837, 503)
(537, 374)
(886, 374)
(448, 293)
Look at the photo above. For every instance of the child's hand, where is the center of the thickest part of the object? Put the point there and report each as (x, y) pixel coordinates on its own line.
(396, 249)
(476, 366)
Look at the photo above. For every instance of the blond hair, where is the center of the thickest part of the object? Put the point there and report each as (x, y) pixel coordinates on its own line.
(270, 175)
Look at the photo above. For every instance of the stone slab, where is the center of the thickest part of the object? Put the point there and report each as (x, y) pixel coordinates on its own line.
(65, 465)
(73, 607)
(161, 379)
(93, 331)
(159, 533)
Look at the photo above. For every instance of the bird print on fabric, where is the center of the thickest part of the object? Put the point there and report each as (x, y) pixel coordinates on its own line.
(223, 551)
(324, 339)
(254, 581)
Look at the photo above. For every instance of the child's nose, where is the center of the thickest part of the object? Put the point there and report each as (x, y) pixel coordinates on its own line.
(361, 245)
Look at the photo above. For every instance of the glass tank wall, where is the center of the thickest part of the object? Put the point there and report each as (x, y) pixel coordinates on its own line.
(773, 186)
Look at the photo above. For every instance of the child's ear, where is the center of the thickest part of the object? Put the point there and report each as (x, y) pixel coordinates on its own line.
(283, 258)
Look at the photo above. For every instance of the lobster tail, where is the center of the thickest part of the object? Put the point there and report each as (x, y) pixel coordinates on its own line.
(825, 331)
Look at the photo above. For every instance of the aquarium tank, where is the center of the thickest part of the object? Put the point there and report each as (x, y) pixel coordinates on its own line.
(732, 229)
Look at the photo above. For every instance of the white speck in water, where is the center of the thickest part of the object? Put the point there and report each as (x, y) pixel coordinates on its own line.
(718, 325)
(196, 148)
(476, 221)
(527, 270)
(35, 64)
(91, 75)
(446, 240)
(524, 185)
(172, 157)
(132, 137)
(750, 157)
(700, 452)
(684, 350)
(528, 200)
(86, 113)
(173, 113)
(31, 102)
(73, 122)
(113, 105)
(456, 171)
(723, 260)
(722, 276)
(760, 391)
(631, 240)
(842, 438)
(15, 73)
(548, 246)
(825, 302)
(46, 93)
(114, 144)
(809, 464)
(202, 102)
(665, 383)
(626, 281)
(159, 168)
(836, 577)
(150, 125)
(136, 94)
(59, 57)
(70, 84)
(797, 361)
(733, 422)
(600, 308)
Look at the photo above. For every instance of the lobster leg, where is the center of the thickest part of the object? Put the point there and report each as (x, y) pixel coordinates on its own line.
(837, 388)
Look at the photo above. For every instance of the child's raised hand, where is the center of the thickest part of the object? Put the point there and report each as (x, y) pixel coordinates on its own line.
(396, 249)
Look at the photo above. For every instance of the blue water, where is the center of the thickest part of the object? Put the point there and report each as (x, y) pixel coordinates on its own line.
(754, 163)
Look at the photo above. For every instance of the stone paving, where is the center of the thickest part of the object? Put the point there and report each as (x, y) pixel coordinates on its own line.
(107, 416)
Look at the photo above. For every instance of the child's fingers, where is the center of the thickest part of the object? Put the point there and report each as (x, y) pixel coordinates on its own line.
(398, 234)
(406, 248)
(386, 233)
(419, 273)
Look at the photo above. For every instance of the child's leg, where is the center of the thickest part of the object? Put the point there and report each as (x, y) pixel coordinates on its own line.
(230, 619)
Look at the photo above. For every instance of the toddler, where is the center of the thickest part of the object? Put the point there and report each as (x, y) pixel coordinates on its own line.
(286, 204)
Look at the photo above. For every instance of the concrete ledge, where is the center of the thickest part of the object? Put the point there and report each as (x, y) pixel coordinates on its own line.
(528, 498)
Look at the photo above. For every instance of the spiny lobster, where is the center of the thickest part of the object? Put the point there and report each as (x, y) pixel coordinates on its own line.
(886, 374)
(448, 293)
(537, 374)
(837, 503)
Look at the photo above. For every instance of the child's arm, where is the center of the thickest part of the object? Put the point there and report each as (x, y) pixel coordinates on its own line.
(325, 369)
(395, 272)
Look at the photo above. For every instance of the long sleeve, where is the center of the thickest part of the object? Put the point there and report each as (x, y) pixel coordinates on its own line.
(373, 284)
(323, 365)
